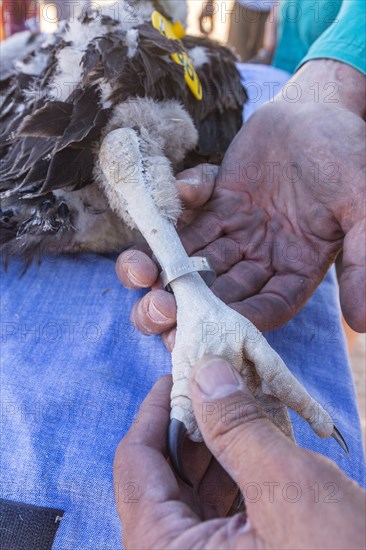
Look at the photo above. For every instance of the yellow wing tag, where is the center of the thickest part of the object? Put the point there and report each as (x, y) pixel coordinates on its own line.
(175, 31)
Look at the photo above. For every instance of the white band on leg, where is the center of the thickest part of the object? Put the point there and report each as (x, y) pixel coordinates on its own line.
(191, 265)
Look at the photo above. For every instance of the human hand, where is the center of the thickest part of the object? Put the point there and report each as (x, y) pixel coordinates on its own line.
(289, 194)
(294, 498)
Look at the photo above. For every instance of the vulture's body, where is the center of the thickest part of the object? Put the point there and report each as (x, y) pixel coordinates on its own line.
(94, 75)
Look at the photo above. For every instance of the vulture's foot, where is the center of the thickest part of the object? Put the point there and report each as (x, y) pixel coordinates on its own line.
(205, 325)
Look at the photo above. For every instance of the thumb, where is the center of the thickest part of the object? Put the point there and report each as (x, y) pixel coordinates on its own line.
(234, 426)
(195, 185)
(353, 278)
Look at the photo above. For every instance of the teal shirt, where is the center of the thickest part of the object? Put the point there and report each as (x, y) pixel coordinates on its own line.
(314, 29)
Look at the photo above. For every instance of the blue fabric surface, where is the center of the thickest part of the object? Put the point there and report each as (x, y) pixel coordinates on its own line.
(74, 373)
(262, 83)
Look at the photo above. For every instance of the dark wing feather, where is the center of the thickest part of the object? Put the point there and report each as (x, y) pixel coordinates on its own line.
(219, 116)
(150, 72)
(69, 168)
(51, 120)
(85, 107)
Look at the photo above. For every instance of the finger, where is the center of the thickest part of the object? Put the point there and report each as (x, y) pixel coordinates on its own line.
(142, 477)
(244, 441)
(146, 441)
(217, 491)
(278, 301)
(257, 454)
(168, 339)
(221, 218)
(195, 185)
(205, 229)
(223, 240)
(196, 459)
(239, 434)
(136, 270)
(242, 281)
(155, 313)
(226, 252)
(353, 278)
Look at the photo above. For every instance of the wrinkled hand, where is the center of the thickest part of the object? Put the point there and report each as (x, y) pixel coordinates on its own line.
(289, 194)
(294, 498)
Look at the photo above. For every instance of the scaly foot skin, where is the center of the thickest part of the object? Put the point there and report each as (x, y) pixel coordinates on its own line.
(205, 325)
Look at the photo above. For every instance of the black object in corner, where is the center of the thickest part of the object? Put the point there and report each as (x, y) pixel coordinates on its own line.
(27, 527)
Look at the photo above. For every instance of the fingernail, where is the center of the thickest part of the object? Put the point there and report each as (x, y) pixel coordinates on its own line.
(156, 314)
(135, 279)
(169, 340)
(195, 182)
(217, 378)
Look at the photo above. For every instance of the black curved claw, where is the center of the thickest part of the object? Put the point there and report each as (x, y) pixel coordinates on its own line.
(176, 434)
(340, 439)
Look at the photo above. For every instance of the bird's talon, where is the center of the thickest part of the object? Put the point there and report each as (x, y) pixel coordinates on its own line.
(176, 435)
(340, 439)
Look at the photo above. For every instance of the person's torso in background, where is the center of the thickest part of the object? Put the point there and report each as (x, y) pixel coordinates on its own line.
(300, 23)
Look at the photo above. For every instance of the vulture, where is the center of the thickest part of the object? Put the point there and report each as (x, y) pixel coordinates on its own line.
(95, 121)
(96, 74)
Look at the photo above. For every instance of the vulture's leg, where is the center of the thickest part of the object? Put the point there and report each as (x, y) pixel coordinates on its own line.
(205, 325)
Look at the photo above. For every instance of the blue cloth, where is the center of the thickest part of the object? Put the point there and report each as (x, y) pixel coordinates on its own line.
(262, 83)
(74, 372)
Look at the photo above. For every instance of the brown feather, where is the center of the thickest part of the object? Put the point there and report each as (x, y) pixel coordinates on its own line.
(51, 120)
